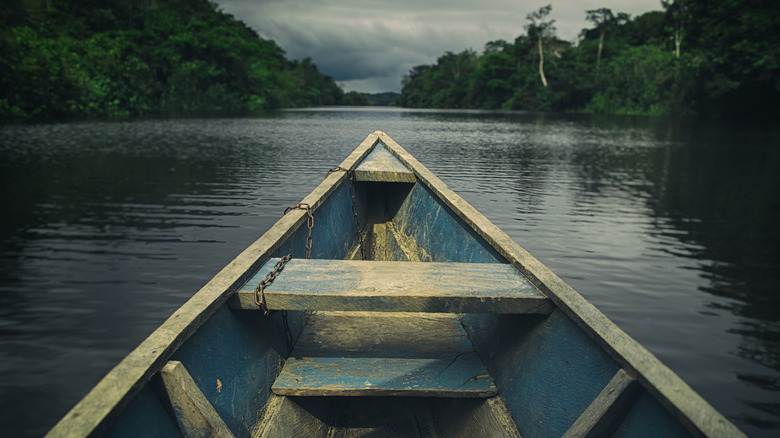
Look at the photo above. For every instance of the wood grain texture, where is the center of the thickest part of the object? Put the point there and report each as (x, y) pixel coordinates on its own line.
(432, 225)
(195, 415)
(375, 417)
(381, 334)
(244, 353)
(283, 418)
(549, 371)
(463, 376)
(397, 287)
(672, 392)
(381, 166)
(381, 354)
(105, 401)
(608, 409)
(387, 243)
(113, 393)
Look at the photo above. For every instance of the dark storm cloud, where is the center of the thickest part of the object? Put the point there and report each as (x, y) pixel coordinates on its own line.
(370, 45)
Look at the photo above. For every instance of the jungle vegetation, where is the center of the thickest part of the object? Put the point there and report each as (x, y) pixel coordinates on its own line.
(710, 57)
(119, 58)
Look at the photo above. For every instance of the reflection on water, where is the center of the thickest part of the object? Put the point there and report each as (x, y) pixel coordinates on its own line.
(667, 226)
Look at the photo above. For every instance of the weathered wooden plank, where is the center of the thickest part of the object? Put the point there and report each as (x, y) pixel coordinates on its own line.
(387, 243)
(105, 401)
(283, 417)
(396, 287)
(381, 354)
(607, 410)
(462, 376)
(382, 334)
(693, 411)
(549, 370)
(432, 225)
(234, 357)
(425, 417)
(195, 415)
(381, 166)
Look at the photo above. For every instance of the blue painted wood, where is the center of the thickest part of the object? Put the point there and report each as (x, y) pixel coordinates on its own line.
(648, 419)
(382, 166)
(380, 354)
(465, 376)
(548, 370)
(397, 286)
(608, 410)
(244, 353)
(443, 235)
(145, 416)
(333, 233)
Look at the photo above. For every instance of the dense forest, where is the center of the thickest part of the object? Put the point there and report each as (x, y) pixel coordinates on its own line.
(710, 57)
(119, 58)
(115, 58)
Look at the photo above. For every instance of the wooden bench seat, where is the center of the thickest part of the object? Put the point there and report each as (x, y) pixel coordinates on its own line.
(381, 354)
(396, 287)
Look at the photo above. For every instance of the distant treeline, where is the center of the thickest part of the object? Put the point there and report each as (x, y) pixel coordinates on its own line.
(716, 57)
(370, 99)
(121, 58)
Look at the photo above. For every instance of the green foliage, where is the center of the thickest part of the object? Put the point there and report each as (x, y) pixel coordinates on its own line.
(635, 82)
(738, 46)
(718, 57)
(114, 58)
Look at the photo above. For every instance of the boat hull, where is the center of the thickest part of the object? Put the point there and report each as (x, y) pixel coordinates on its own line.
(564, 370)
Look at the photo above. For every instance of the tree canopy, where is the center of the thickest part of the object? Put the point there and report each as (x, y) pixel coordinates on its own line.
(714, 57)
(116, 58)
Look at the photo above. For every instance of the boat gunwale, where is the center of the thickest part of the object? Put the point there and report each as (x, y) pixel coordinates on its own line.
(685, 404)
(115, 390)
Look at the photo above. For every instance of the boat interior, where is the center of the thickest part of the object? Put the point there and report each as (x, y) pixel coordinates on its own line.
(461, 359)
(377, 373)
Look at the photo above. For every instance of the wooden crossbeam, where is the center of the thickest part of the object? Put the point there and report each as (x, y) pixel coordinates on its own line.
(607, 410)
(195, 415)
(396, 287)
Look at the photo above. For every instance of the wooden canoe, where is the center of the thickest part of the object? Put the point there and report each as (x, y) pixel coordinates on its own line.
(429, 321)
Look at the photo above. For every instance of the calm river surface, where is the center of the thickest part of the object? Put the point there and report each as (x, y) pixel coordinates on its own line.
(669, 227)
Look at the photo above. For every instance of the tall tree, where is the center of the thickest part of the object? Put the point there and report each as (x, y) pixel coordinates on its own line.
(679, 15)
(603, 19)
(540, 30)
(599, 18)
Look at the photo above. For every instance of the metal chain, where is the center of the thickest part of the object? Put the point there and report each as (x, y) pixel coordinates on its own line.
(351, 176)
(309, 223)
(259, 295)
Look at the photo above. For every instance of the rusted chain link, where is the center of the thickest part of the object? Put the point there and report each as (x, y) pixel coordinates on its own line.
(309, 223)
(278, 267)
(259, 295)
(351, 176)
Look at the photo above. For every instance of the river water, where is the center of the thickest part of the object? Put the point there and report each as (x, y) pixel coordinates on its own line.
(670, 227)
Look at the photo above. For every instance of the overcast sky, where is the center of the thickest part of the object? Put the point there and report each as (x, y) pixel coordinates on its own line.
(368, 45)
